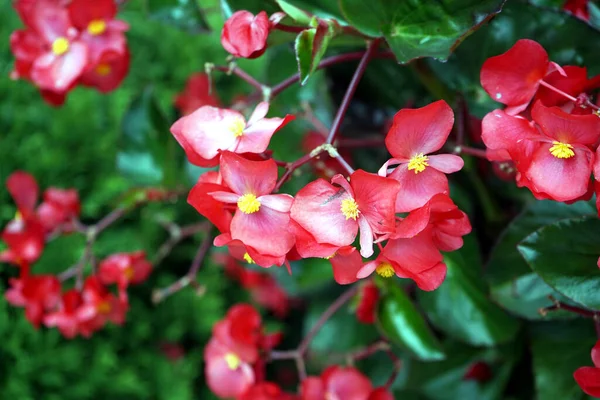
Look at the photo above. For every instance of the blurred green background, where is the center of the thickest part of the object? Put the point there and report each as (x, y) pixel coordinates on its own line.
(104, 145)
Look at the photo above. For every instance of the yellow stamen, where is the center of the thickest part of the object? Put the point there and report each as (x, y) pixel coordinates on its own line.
(129, 273)
(561, 150)
(418, 163)
(237, 127)
(96, 27)
(60, 46)
(233, 361)
(248, 204)
(331, 256)
(103, 69)
(104, 307)
(18, 216)
(248, 259)
(350, 209)
(385, 270)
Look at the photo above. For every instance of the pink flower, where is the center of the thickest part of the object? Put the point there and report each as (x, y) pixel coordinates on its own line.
(208, 130)
(415, 134)
(245, 35)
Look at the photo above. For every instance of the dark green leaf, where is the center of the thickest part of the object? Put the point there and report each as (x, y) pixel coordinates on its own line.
(404, 326)
(418, 29)
(461, 308)
(558, 350)
(565, 255)
(513, 285)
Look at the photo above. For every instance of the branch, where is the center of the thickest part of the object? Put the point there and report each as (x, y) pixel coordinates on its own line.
(558, 305)
(234, 69)
(160, 294)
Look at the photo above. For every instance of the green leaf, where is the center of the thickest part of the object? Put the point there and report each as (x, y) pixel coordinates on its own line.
(294, 12)
(513, 285)
(415, 29)
(325, 9)
(311, 45)
(148, 152)
(399, 321)
(565, 255)
(558, 350)
(461, 308)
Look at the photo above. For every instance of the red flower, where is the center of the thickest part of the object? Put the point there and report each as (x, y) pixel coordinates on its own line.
(337, 383)
(245, 35)
(368, 300)
(414, 134)
(108, 73)
(328, 217)
(232, 350)
(37, 294)
(95, 19)
(588, 378)
(447, 224)
(513, 78)
(569, 79)
(381, 394)
(265, 391)
(124, 268)
(208, 130)
(69, 314)
(212, 209)
(562, 164)
(58, 209)
(578, 8)
(259, 215)
(197, 93)
(63, 57)
(100, 306)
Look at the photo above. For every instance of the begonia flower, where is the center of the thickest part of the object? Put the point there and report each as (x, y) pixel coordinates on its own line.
(124, 269)
(265, 391)
(337, 383)
(197, 93)
(37, 293)
(579, 8)
(259, 214)
(328, 217)
(245, 35)
(415, 134)
(208, 130)
(367, 303)
(69, 314)
(108, 73)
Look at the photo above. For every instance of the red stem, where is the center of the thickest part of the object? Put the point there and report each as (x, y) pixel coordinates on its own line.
(337, 59)
(471, 151)
(241, 74)
(345, 165)
(360, 70)
(289, 28)
(557, 90)
(292, 167)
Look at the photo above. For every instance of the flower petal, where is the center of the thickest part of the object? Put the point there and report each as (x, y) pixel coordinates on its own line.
(446, 163)
(567, 128)
(376, 199)
(277, 202)
(253, 229)
(346, 264)
(245, 176)
(417, 189)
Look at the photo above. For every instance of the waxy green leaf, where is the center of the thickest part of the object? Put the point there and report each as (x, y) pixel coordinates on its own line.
(399, 321)
(415, 29)
(565, 255)
(311, 45)
(461, 308)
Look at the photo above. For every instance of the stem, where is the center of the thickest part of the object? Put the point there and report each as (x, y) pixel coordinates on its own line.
(345, 165)
(176, 235)
(241, 74)
(361, 143)
(107, 221)
(360, 70)
(481, 153)
(328, 313)
(572, 309)
(292, 167)
(289, 28)
(160, 294)
(397, 365)
(337, 59)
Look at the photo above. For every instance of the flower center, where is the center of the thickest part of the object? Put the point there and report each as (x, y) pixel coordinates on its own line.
(60, 46)
(249, 259)
(104, 307)
(237, 127)
(418, 163)
(103, 69)
(561, 150)
(385, 270)
(248, 204)
(331, 256)
(350, 209)
(129, 273)
(233, 361)
(96, 27)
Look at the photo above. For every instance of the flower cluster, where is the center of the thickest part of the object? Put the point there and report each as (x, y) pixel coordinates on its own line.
(235, 360)
(233, 356)
(69, 42)
(78, 310)
(325, 218)
(548, 129)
